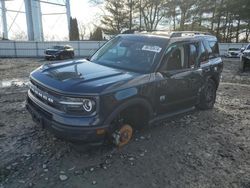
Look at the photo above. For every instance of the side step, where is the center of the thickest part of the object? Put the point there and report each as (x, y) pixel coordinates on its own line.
(169, 115)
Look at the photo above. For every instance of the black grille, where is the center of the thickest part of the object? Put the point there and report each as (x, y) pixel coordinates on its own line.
(40, 110)
(49, 93)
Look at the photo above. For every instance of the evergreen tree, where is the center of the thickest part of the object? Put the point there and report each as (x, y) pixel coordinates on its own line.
(97, 34)
(117, 18)
(74, 32)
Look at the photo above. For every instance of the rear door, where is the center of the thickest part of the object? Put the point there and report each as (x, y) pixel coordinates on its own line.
(195, 78)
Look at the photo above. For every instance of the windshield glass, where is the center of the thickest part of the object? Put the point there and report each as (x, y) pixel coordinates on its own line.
(133, 53)
(58, 47)
(234, 49)
(248, 47)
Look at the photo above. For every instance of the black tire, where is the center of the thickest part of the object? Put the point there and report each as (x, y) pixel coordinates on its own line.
(61, 57)
(242, 65)
(208, 96)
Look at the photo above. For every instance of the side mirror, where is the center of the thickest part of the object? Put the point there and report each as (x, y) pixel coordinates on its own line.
(88, 58)
(242, 49)
(167, 73)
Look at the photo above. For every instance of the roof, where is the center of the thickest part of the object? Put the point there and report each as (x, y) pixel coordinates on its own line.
(180, 34)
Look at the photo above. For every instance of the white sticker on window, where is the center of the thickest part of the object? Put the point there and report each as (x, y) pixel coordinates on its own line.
(156, 49)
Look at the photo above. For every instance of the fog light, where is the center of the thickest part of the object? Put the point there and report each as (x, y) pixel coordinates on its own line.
(100, 131)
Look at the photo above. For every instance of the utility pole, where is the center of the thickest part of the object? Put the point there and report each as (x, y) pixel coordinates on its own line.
(140, 15)
(68, 12)
(34, 20)
(4, 20)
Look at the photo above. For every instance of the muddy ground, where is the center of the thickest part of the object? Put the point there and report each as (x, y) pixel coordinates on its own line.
(201, 149)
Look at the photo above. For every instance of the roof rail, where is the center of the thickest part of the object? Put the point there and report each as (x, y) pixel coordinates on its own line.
(173, 34)
(187, 33)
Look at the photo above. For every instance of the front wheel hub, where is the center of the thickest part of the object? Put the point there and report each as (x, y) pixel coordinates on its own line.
(123, 135)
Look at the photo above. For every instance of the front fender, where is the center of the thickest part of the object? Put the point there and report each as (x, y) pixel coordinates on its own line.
(127, 103)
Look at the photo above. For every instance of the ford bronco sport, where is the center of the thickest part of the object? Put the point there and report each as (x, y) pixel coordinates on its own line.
(133, 80)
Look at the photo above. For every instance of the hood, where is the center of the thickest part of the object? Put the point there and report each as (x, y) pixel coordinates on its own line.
(82, 77)
(246, 51)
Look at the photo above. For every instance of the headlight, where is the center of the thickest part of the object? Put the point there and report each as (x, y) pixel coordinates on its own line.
(246, 53)
(79, 105)
(88, 105)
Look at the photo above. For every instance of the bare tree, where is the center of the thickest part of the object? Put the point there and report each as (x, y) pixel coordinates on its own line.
(152, 13)
(20, 35)
(82, 30)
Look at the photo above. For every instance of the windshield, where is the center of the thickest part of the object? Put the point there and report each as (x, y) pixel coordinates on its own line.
(248, 47)
(234, 49)
(133, 53)
(58, 47)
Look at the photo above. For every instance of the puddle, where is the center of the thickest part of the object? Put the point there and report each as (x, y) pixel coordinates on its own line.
(18, 82)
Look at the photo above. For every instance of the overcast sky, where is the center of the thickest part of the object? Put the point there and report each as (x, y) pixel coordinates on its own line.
(54, 26)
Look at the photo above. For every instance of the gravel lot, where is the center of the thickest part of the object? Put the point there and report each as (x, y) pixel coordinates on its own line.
(201, 149)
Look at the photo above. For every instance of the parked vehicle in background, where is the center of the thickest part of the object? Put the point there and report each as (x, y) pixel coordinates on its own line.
(233, 52)
(245, 58)
(133, 80)
(59, 52)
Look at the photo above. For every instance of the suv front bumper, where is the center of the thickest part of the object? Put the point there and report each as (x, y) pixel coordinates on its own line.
(51, 56)
(72, 131)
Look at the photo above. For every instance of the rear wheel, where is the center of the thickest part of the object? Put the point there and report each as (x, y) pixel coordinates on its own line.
(61, 56)
(208, 96)
(72, 55)
(242, 65)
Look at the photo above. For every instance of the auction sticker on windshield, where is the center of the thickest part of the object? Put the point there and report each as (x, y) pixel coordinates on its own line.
(156, 49)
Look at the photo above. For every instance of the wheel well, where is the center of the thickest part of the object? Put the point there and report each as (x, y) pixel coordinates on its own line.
(136, 115)
(216, 81)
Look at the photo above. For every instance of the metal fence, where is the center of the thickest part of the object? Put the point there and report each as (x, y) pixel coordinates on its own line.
(82, 48)
(225, 46)
(36, 49)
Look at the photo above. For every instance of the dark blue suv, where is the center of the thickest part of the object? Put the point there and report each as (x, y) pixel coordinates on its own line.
(133, 80)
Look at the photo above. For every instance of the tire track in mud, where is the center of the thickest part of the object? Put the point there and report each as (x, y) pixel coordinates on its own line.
(234, 84)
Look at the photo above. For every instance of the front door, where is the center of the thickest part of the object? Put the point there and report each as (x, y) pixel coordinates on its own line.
(178, 76)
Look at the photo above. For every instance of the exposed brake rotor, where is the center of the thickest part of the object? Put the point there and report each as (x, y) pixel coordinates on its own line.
(123, 135)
